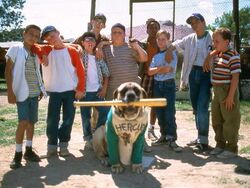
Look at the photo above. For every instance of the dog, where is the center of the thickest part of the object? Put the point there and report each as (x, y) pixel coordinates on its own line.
(120, 142)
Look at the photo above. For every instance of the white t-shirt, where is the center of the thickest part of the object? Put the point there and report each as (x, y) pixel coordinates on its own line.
(60, 74)
(201, 43)
(92, 77)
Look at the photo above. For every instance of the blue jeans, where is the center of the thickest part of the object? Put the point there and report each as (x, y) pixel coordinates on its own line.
(166, 115)
(200, 85)
(62, 132)
(86, 114)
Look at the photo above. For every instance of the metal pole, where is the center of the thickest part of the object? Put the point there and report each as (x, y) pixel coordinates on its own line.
(131, 18)
(173, 21)
(92, 13)
(237, 24)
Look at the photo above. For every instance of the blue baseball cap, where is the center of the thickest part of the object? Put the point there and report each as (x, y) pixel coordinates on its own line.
(195, 15)
(119, 25)
(46, 30)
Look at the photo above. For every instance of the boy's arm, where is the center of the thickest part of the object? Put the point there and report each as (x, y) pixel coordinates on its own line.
(229, 101)
(208, 60)
(77, 63)
(42, 51)
(99, 49)
(142, 55)
(9, 78)
(103, 91)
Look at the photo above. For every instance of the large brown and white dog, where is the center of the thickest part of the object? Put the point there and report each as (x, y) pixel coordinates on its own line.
(120, 142)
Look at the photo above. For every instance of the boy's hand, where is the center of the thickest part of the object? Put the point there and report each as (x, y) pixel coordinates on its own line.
(102, 93)
(134, 43)
(79, 95)
(45, 60)
(183, 87)
(169, 55)
(229, 103)
(11, 98)
(167, 69)
(99, 54)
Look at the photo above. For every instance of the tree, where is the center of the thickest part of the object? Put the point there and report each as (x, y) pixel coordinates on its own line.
(226, 20)
(11, 19)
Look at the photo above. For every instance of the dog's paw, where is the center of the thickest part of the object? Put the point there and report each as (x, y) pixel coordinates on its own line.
(105, 161)
(137, 168)
(117, 168)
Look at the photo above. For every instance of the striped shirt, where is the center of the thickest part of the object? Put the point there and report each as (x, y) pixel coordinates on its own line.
(31, 76)
(224, 65)
(122, 65)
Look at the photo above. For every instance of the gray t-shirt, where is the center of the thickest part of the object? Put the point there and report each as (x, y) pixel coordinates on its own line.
(123, 67)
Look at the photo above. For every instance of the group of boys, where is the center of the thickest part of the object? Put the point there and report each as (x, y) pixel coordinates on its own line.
(95, 70)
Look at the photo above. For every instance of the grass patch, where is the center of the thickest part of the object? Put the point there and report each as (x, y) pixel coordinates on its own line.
(245, 111)
(183, 105)
(245, 150)
(3, 86)
(8, 124)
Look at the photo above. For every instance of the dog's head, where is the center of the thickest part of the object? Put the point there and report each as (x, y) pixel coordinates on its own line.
(129, 92)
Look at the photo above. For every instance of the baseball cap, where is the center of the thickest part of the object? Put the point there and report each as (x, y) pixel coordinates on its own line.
(46, 30)
(119, 25)
(88, 36)
(100, 16)
(195, 15)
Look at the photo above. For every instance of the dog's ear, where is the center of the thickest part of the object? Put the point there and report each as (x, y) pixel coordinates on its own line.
(115, 94)
(144, 93)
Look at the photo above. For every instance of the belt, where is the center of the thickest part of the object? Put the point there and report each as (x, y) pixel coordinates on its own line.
(196, 67)
(167, 81)
(220, 84)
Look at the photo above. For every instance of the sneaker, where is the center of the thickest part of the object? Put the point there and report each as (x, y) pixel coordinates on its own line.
(162, 140)
(216, 151)
(226, 155)
(64, 152)
(199, 148)
(88, 144)
(147, 148)
(30, 155)
(193, 143)
(173, 145)
(51, 153)
(151, 134)
(16, 163)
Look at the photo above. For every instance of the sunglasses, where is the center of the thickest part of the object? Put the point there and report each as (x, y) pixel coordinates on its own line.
(89, 39)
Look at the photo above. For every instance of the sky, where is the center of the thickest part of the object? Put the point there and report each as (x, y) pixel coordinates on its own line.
(71, 17)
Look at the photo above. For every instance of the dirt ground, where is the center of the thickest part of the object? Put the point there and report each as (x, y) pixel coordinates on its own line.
(169, 169)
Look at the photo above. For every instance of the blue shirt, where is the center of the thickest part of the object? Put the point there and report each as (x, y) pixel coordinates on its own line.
(159, 60)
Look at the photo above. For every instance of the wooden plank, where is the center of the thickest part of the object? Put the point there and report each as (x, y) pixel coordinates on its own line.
(153, 102)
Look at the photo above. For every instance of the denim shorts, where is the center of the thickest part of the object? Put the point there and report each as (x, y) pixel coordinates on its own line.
(28, 110)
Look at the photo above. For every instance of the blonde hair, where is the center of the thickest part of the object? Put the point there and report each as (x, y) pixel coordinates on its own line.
(163, 32)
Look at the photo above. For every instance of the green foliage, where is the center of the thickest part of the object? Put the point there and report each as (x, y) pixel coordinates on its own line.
(245, 150)
(226, 20)
(11, 19)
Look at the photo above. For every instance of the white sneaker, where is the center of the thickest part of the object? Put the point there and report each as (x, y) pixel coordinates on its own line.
(226, 155)
(216, 151)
